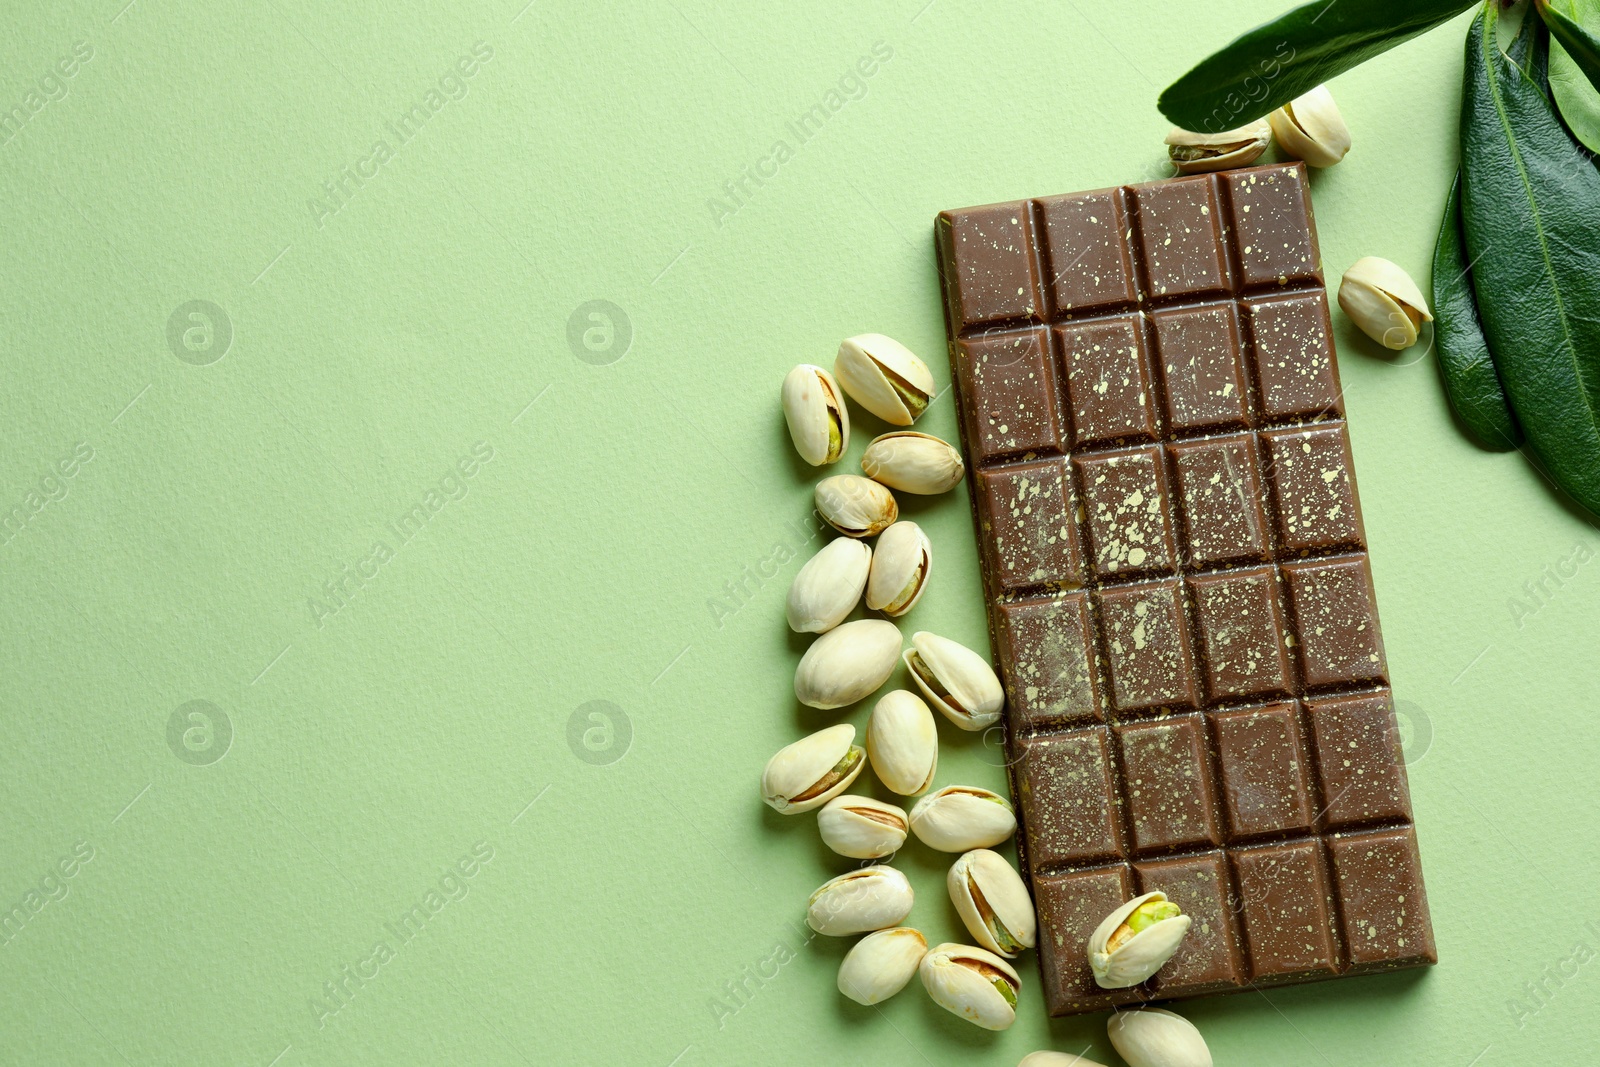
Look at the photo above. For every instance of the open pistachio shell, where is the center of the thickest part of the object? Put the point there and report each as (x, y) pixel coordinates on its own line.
(1047, 1058)
(828, 587)
(899, 569)
(959, 818)
(847, 663)
(814, 408)
(871, 898)
(956, 680)
(1155, 1037)
(972, 983)
(903, 743)
(1310, 127)
(1121, 956)
(1196, 153)
(855, 506)
(992, 900)
(861, 827)
(885, 377)
(880, 964)
(913, 462)
(1383, 301)
(813, 770)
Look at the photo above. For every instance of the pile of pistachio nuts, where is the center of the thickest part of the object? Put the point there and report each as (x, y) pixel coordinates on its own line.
(848, 662)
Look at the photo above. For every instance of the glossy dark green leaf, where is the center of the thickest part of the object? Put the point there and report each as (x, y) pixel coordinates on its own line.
(1576, 97)
(1580, 43)
(1531, 207)
(1469, 376)
(1276, 62)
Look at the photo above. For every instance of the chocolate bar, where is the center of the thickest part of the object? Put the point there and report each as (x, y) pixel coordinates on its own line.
(1177, 583)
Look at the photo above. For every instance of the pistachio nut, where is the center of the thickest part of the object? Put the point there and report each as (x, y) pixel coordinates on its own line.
(862, 828)
(814, 408)
(1136, 941)
(847, 663)
(973, 983)
(1155, 1037)
(871, 898)
(1309, 127)
(962, 817)
(829, 586)
(813, 770)
(903, 743)
(913, 462)
(1055, 1059)
(885, 377)
(989, 894)
(900, 568)
(880, 964)
(956, 680)
(1196, 153)
(1384, 302)
(855, 506)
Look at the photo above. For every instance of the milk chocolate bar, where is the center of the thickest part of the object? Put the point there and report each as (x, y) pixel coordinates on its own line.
(1177, 583)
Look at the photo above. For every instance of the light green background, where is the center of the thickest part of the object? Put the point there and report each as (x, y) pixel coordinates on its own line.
(429, 715)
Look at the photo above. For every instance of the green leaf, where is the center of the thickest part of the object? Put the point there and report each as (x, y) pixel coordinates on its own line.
(1575, 95)
(1296, 52)
(1581, 44)
(1470, 380)
(1530, 202)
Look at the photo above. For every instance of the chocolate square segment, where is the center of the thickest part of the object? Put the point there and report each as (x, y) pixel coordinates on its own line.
(1315, 495)
(1264, 773)
(1147, 647)
(1068, 798)
(1242, 633)
(989, 272)
(1287, 911)
(1385, 906)
(1223, 495)
(1293, 355)
(1108, 380)
(1209, 959)
(1048, 660)
(1014, 376)
(1180, 230)
(1336, 621)
(1029, 534)
(1090, 266)
(1272, 227)
(1202, 364)
(1126, 509)
(1360, 761)
(1170, 802)
(1177, 582)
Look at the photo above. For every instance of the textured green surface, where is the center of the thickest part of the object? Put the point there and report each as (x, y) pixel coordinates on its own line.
(370, 754)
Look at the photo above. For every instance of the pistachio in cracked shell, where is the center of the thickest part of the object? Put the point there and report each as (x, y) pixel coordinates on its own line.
(885, 377)
(956, 680)
(871, 898)
(899, 570)
(913, 462)
(880, 964)
(1136, 940)
(813, 770)
(1155, 1037)
(861, 827)
(959, 818)
(1310, 127)
(855, 506)
(829, 586)
(815, 410)
(1383, 301)
(847, 663)
(973, 983)
(903, 743)
(1193, 152)
(992, 900)
(1046, 1058)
